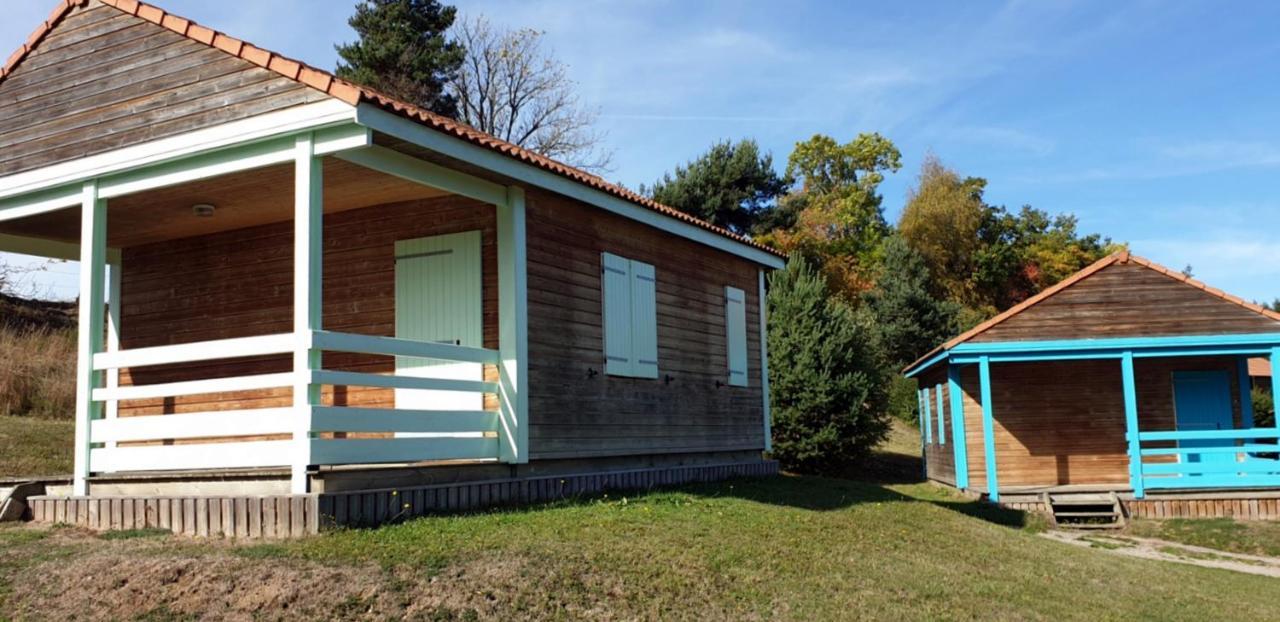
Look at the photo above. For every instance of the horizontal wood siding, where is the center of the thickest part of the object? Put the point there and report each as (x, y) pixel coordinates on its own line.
(1242, 507)
(1128, 300)
(104, 80)
(940, 457)
(1059, 423)
(240, 284)
(573, 414)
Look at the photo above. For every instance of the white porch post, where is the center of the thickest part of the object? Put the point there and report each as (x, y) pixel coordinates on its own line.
(513, 329)
(308, 243)
(93, 246)
(113, 335)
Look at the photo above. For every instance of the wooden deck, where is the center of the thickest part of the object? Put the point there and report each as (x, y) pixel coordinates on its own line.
(1241, 504)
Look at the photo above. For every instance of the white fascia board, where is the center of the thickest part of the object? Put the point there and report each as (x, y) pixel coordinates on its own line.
(345, 138)
(406, 167)
(405, 129)
(52, 249)
(261, 127)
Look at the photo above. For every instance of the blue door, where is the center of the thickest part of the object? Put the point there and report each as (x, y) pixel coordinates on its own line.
(1202, 401)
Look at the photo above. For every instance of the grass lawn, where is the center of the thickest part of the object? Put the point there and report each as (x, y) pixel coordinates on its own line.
(792, 548)
(30, 446)
(1224, 534)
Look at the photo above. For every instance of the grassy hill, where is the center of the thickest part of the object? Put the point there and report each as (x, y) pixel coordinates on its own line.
(37, 386)
(789, 548)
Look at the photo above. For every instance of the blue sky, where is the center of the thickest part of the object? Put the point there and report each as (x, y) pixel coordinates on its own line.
(1155, 123)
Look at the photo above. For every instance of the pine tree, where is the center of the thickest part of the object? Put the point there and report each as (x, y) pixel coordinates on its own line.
(910, 320)
(731, 185)
(403, 52)
(828, 388)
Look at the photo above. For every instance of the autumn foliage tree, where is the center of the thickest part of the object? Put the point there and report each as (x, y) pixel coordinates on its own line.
(835, 212)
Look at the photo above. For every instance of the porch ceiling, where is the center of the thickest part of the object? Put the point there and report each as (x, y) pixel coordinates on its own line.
(245, 199)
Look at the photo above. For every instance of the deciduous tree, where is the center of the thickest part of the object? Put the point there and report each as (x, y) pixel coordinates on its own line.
(941, 221)
(511, 87)
(834, 217)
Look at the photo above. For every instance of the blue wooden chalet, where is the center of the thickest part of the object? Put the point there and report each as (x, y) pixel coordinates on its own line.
(1127, 378)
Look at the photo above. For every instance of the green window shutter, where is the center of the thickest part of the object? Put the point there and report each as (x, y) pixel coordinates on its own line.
(644, 320)
(616, 283)
(736, 335)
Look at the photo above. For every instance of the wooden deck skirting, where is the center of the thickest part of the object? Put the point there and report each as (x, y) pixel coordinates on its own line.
(293, 516)
(1241, 507)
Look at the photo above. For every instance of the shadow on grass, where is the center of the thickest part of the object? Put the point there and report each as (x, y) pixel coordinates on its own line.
(805, 492)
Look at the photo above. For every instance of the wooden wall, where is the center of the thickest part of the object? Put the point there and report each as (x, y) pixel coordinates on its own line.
(939, 452)
(240, 284)
(1063, 422)
(575, 415)
(103, 80)
(1128, 300)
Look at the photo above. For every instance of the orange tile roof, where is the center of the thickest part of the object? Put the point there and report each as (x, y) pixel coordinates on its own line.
(355, 94)
(1120, 257)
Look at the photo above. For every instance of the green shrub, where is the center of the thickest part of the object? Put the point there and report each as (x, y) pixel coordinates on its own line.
(904, 400)
(829, 387)
(1264, 408)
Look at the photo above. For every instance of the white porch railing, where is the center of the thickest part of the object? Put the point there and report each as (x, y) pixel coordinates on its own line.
(455, 435)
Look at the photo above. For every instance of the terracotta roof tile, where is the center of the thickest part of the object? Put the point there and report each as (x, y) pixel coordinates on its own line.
(150, 13)
(285, 67)
(318, 80)
(227, 44)
(202, 34)
(1121, 257)
(354, 94)
(176, 24)
(128, 6)
(34, 38)
(255, 55)
(59, 10)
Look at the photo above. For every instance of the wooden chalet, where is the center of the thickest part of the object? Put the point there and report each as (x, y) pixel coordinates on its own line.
(302, 300)
(1125, 386)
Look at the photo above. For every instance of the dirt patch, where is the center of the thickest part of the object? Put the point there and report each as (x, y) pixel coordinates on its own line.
(151, 579)
(1163, 550)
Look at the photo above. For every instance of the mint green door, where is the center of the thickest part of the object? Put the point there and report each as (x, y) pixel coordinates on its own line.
(438, 299)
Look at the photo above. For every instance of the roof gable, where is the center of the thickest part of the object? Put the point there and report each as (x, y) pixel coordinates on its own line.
(1121, 295)
(99, 79)
(325, 83)
(1124, 295)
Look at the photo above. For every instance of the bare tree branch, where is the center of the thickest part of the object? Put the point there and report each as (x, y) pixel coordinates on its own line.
(514, 89)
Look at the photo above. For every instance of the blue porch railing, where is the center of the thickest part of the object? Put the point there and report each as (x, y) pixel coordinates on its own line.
(1210, 459)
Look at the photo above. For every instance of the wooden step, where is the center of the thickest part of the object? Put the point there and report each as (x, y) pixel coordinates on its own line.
(1086, 510)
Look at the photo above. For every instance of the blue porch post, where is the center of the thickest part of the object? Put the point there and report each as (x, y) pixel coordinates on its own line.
(1246, 401)
(958, 441)
(1131, 424)
(988, 428)
(928, 417)
(1275, 371)
(942, 420)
